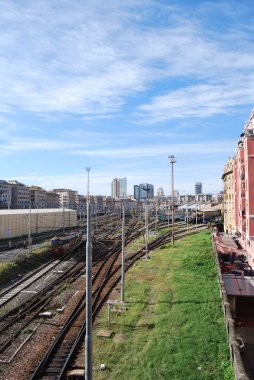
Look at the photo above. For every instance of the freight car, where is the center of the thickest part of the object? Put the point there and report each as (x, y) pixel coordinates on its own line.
(61, 244)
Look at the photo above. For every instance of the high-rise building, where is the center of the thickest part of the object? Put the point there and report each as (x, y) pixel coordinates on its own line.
(136, 192)
(143, 191)
(198, 188)
(119, 188)
(67, 198)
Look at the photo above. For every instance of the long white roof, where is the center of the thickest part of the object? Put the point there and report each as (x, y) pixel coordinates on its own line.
(34, 211)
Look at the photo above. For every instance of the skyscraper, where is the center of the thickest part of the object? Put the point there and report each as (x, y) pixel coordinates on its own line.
(198, 188)
(119, 188)
(136, 192)
(143, 191)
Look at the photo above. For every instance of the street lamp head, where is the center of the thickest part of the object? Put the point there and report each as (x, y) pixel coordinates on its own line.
(88, 169)
(172, 159)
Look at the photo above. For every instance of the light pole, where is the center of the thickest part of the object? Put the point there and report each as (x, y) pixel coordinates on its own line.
(123, 257)
(63, 220)
(156, 218)
(196, 216)
(88, 338)
(29, 232)
(96, 220)
(146, 230)
(172, 161)
(187, 218)
(168, 216)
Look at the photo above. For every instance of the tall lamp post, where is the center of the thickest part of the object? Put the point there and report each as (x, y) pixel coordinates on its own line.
(30, 246)
(88, 338)
(172, 161)
(123, 256)
(146, 228)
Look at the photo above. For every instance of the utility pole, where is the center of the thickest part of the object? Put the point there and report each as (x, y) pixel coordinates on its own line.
(29, 231)
(172, 160)
(88, 338)
(156, 218)
(123, 256)
(146, 229)
(187, 218)
(168, 217)
(63, 220)
(96, 216)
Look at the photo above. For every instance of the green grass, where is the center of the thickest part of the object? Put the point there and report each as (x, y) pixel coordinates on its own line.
(174, 326)
(24, 264)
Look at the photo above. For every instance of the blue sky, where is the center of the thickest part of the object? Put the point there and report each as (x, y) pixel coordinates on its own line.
(119, 86)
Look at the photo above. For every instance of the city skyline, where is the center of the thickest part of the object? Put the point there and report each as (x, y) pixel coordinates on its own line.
(122, 182)
(120, 87)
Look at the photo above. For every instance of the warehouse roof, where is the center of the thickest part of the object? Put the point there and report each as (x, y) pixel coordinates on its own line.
(33, 211)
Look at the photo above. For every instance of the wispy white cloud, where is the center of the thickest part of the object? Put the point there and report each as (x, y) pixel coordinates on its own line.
(211, 147)
(68, 65)
(25, 145)
(202, 100)
(88, 60)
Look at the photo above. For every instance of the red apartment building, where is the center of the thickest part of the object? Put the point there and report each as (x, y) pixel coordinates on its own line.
(243, 176)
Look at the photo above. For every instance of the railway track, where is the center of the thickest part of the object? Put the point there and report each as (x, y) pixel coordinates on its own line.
(24, 283)
(69, 341)
(17, 319)
(18, 286)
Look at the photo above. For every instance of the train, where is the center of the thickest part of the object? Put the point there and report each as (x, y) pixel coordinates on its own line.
(166, 218)
(61, 244)
(204, 216)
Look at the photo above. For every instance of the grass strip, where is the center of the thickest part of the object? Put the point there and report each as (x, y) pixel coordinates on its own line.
(174, 326)
(23, 264)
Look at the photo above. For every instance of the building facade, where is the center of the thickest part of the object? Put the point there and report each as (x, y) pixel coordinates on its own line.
(143, 191)
(5, 194)
(198, 188)
(119, 188)
(243, 190)
(20, 195)
(52, 200)
(38, 197)
(228, 202)
(108, 204)
(136, 192)
(67, 198)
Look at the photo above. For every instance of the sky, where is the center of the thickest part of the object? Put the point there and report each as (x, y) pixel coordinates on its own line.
(118, 86)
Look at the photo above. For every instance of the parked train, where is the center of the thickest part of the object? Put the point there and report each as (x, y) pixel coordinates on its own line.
(61, 244)
(166, 218)
(204, 216)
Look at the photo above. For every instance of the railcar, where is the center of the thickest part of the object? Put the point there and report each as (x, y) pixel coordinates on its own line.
(61, 244)
(204, 216)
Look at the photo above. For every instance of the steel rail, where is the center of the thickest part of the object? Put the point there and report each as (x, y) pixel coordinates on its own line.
(97, 304)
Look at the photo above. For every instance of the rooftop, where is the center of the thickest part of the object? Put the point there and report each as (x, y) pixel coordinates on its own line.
(33, 211)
